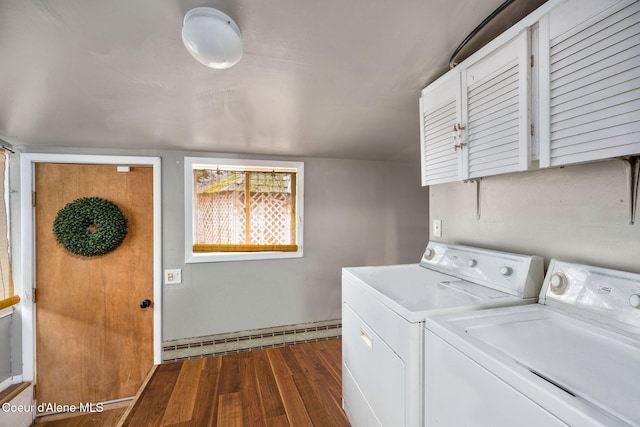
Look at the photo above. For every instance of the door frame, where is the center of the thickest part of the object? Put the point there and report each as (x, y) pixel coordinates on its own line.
(27, 248)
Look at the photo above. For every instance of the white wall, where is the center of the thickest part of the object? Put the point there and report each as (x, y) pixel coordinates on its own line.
(355, 213)
(5, 348)
(576, 213)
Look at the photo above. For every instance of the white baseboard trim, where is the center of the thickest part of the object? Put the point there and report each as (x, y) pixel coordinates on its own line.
(6, 383)
(256, 339)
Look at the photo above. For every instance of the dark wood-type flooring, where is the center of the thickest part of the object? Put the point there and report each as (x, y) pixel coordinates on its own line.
(298, 385)
(108, 418)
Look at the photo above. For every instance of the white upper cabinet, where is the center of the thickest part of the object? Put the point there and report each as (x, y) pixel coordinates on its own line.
(589, 81)
(476, 118)
(496, 110)
(440, 113)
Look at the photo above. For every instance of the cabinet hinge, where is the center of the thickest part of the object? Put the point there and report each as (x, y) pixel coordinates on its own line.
(35, 391)
(33, 198)
(34, 294)
(533, 129)
(532, 61)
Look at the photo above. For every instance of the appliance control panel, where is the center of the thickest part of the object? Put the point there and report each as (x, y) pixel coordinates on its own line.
(516, 274)
(612, 294)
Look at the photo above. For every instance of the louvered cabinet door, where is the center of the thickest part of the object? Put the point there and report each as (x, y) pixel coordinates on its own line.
(496, 110)
(590, 81)
(440, 113)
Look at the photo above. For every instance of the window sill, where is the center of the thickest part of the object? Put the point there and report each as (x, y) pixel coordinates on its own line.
(7, 306)
(194, 258)
(9, 302)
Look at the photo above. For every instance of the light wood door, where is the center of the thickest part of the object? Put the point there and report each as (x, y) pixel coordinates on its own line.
(94, 343)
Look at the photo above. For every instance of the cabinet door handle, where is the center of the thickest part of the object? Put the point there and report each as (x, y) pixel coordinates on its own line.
(457, 137)
(366, 338)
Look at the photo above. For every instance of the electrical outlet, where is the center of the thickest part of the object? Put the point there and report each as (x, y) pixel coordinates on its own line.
(437, 228)
(172, 277)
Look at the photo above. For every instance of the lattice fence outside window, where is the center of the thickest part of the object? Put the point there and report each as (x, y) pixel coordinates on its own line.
(244, 211)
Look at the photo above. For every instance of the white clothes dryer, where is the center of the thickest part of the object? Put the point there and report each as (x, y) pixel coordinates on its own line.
(572, 359)
(383, 314)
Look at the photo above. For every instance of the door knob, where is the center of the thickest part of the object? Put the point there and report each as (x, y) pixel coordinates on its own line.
(145, 304)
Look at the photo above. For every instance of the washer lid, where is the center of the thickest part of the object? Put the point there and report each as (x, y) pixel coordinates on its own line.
(415, 292)
(592, 362)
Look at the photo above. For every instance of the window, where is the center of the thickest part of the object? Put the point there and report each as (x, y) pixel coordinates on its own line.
(242, 209)
(7, 297)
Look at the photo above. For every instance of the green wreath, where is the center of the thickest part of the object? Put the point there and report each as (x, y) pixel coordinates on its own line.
(90, 226)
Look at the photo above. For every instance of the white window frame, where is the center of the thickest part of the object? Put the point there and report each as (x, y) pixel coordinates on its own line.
(212, 162)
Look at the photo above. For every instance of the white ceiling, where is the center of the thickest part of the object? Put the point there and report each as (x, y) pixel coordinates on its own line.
(318, 78)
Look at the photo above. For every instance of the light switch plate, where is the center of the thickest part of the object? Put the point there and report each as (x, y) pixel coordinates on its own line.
(172, 277)
(437, 228)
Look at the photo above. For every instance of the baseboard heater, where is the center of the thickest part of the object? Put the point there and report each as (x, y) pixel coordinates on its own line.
(257, 339)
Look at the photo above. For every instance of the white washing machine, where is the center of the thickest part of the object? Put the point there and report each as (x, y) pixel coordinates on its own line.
(383, 314)
(573, 359)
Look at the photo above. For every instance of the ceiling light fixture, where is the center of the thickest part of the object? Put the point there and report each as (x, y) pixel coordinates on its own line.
(212, 37)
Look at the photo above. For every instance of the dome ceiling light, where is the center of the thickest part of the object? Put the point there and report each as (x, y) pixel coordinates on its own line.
(212, 37)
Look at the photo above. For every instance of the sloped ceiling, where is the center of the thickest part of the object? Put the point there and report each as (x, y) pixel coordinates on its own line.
(318, 78)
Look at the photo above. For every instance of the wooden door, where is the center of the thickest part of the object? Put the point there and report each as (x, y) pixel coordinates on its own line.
(94, 343)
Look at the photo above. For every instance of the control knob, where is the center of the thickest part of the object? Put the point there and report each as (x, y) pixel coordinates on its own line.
(429, 254)
(558, 282)
(472, 263)
(506, 271)
(634, 300)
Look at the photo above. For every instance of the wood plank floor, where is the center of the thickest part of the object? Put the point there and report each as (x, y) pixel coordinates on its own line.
(108, 418)
(298, 385)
